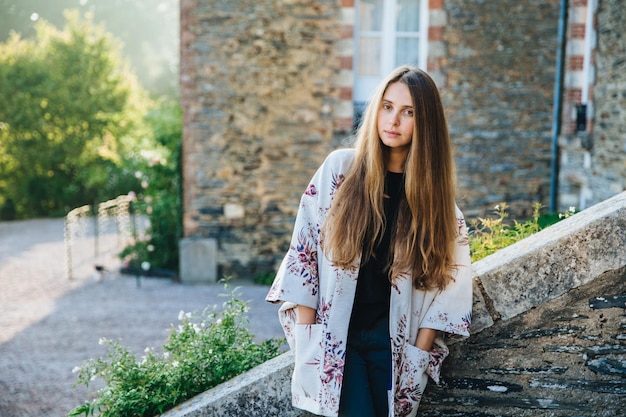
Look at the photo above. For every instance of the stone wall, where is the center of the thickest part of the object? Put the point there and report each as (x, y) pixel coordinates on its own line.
(266, 88)
(500, 69)
(259, 91)
(593, 162)
(548, 334)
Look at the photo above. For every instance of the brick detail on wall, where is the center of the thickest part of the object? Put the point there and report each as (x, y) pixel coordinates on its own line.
(577, 31)
(575, 63)
(592, 163)
(437, 22)
(573, 95)
(344, 112)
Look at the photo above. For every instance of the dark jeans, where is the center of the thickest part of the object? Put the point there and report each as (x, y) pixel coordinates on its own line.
(367, 373)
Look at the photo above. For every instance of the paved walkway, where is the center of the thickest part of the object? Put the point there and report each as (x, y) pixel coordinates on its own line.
(50, 324)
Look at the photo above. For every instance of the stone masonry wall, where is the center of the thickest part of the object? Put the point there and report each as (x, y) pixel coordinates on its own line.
(259, 90)
(593, 163)
(500, 65)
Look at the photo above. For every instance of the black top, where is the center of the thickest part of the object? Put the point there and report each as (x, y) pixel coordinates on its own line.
(373, 289)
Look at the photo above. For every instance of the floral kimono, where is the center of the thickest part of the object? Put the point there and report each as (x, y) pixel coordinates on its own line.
(306, 277)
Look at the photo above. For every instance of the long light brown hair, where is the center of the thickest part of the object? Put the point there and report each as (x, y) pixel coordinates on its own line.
(423, 241)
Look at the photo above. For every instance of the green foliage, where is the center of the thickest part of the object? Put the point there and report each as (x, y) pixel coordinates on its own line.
(203, 351)
(160, 197)
(491, 234)
(70, 116)
(264, 278)
(148, 29)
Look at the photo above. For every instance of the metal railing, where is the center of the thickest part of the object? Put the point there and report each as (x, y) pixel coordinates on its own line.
(107, 228)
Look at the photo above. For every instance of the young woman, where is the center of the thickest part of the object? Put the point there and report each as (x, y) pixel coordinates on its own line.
(378, 269)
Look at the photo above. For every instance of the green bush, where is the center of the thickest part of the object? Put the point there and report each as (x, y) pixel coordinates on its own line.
(71, 116)
(159, 199)
(487, 235)
(203, 351)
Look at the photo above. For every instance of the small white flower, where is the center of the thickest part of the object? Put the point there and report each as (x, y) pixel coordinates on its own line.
(561, 215)
(181, 315)
(196, 328)
(138, 174)
(76, 369)
(166, 354)
(572, 209)
(175, 363)
(497, 207)
(147, 350)
(145, 265)
(102, 341)
(150, 248)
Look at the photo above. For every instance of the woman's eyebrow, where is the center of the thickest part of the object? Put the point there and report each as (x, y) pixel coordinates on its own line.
(403, 106)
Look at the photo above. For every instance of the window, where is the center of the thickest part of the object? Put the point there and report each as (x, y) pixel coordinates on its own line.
(388, 33)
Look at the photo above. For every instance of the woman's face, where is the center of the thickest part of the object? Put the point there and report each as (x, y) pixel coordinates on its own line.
(396, 117)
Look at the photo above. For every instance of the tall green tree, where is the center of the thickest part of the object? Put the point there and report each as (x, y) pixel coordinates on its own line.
(71, 119)
(148, 28)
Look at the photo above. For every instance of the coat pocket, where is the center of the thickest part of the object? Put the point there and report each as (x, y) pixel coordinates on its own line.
(411, 381)
(306, 380)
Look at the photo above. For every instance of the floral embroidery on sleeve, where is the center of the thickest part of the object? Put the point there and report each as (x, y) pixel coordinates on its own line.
(303, 260)
(311, 190)
(336, 183)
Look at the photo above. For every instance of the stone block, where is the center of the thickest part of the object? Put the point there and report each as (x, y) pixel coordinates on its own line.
(198, 260)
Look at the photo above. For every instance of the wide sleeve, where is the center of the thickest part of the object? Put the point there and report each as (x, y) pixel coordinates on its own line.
(451, 309)
(297, 279)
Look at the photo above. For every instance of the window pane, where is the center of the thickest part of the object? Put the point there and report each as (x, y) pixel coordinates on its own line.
(369, 56)
(407, 51)
(370, 15)
(408, 18)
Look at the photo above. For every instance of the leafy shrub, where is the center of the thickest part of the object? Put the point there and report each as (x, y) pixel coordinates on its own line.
(71, 114)
(264, 278)
(488, 235)
(203, 351)
(159, 198)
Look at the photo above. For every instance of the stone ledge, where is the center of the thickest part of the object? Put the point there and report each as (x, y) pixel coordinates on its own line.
(262, 391)
(559, 258)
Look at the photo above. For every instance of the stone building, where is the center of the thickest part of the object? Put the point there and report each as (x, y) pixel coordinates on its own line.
(269, 87)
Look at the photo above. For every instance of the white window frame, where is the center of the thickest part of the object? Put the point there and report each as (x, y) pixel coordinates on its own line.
(365, 85)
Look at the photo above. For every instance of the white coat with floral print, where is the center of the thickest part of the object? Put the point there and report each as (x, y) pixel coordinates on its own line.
(306, 277)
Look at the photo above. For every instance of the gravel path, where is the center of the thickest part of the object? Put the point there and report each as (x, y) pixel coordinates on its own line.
(49, 324)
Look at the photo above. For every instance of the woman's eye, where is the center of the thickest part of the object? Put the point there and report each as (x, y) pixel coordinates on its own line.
(386, 107)
(408, 112)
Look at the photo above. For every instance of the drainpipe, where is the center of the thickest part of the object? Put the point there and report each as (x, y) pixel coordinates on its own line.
(557, 101)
